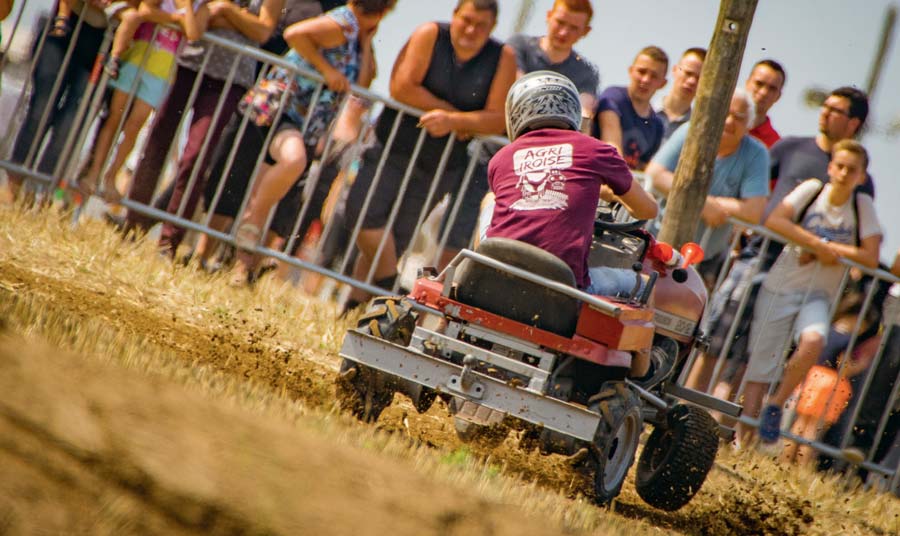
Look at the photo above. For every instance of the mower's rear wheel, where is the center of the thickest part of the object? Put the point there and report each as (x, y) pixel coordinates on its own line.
(362, 390)
(677, 458)
(616, 440)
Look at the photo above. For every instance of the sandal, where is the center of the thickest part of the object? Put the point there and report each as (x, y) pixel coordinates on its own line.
(111, 68)
(247, 236)
(60, 27)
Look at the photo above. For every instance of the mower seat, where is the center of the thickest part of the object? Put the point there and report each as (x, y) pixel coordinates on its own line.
(504, 294)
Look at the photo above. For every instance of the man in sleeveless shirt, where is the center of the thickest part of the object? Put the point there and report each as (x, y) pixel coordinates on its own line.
(459, 75)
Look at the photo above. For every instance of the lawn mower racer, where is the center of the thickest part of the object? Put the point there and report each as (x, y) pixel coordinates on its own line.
(521, 338)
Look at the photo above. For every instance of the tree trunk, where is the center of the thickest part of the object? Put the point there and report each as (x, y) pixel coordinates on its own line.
(694, 173)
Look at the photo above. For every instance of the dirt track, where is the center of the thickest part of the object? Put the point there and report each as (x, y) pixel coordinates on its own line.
(102, 450)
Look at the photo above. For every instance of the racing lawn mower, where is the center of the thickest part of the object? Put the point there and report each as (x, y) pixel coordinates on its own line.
(510, 342)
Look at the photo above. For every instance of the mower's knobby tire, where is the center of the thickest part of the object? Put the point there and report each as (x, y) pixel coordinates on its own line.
(677, 458)
(389, 318)
(616, 439)
(364, 391)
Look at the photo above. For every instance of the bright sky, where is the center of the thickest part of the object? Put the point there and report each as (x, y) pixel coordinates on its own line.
(824, 43)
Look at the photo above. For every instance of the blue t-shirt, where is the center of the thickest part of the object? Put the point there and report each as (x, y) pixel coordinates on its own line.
(641, 136)
(742, 174)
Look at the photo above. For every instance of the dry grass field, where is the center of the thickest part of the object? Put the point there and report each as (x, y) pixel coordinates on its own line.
(138, 397)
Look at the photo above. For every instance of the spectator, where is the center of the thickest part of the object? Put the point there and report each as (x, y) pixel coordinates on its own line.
(332, 44)
(793, 160)
(249, 25)
(553, 206)
(149, 65)
(244, 163)
(829, 385)
(739, 187)
(832, 222)
(873, 403)
(567, 22)
(764, 85)
(60, 107)
(624, 117)
(460, 75)
(676, 104)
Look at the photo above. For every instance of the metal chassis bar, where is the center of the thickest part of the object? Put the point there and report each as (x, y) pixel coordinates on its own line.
(442, 342)
(442, 376)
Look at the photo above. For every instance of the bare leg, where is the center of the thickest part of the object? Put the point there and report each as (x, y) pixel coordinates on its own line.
(206, 245)
(368, 241)
(754, 392)
(701, 373)
(798, 365)
(289, 152)
(104, 142)
(446, 256)
(140, 111)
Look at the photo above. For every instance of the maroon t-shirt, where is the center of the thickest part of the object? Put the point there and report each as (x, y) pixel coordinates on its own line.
(547, 185)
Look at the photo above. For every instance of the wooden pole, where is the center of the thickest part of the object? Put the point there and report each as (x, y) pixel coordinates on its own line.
(693, 175)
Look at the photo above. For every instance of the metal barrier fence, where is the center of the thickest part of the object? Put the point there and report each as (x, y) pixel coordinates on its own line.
(869, 391)
(464, 184)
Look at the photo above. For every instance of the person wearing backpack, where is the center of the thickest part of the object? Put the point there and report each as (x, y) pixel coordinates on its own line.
(824, 223)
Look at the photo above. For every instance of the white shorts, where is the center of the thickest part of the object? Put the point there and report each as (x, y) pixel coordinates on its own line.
(776, 318)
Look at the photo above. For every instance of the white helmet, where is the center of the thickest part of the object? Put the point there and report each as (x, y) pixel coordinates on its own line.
(542, 99)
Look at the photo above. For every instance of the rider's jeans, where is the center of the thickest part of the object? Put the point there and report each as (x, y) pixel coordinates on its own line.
(607, 281)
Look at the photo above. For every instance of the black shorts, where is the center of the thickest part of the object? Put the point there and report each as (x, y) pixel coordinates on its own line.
(412, 204)
(463, 229)
(250, 145)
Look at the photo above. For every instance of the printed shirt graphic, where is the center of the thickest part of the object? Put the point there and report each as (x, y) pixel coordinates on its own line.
(547, 186)
(837, 224)
(541, 182)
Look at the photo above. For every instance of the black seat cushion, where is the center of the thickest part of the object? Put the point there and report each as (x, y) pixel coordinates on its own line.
(501, 293)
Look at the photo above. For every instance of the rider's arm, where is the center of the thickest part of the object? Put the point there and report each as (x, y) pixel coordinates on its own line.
(639, 203)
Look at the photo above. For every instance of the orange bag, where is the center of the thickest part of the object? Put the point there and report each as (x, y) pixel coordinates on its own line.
(818, 387)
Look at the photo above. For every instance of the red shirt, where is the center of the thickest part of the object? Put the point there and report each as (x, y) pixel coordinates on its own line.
(547, 186)
(765, 133)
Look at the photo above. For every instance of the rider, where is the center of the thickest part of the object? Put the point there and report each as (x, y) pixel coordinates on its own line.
(549, 180)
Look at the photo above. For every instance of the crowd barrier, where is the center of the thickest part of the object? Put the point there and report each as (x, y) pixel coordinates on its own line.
(337, 266)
